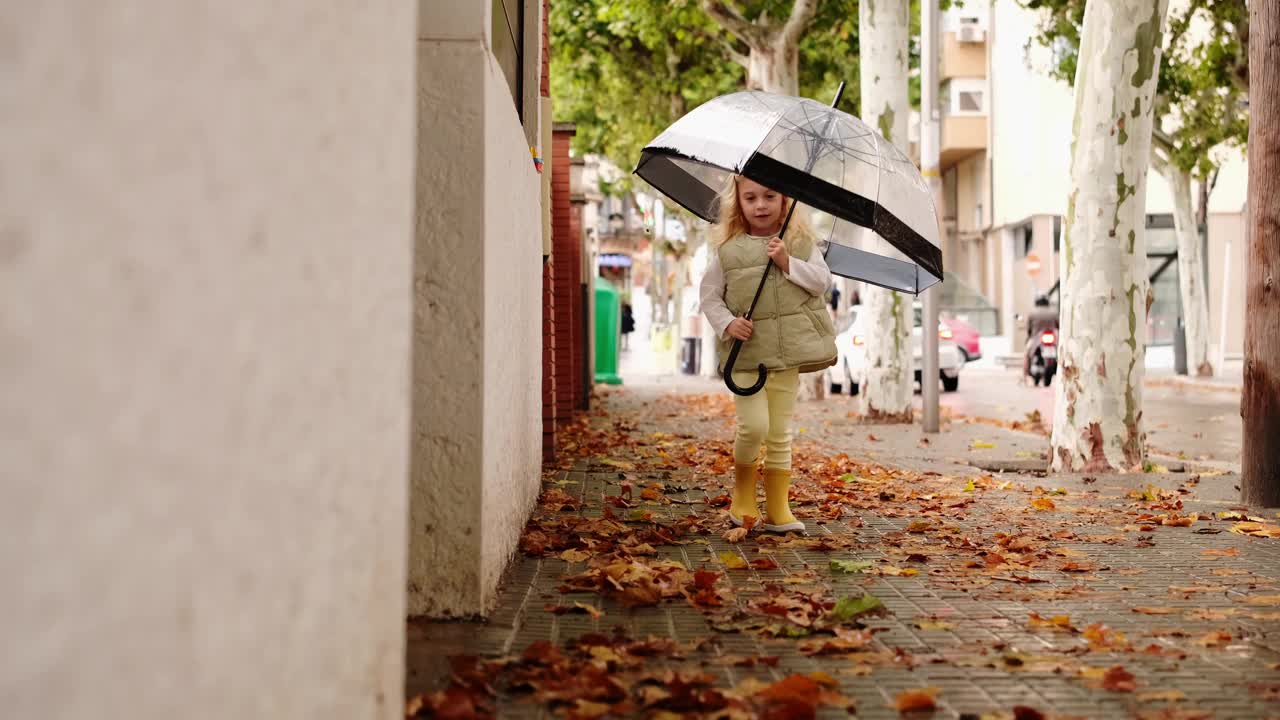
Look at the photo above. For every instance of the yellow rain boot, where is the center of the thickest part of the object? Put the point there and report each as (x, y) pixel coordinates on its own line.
(777, 506)
(744, 494)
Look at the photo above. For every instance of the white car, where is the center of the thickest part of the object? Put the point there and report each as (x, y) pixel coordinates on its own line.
(852, 356)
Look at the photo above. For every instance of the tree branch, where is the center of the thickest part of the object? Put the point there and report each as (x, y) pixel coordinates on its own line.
(1162, 139)
(802, 13)
(729, 18)
(734, 55)
(1159, 162)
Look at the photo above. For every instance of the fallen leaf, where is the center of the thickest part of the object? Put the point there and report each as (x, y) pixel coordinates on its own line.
(620, 464)
(764, 563)
(850, 607)
(1043, 503)
(1161, 696)
(932, 624)
(913, 700)
(736, 535)
(1118, 679)
(1229, 552)
(1257, 529)
(1155, 610)
(1022, 712)
(982, 445)
(850, 566)
(1061, 622)
(574, 556)
(733, 560)
(1263, 600)
(1218, 638)
(969, 487)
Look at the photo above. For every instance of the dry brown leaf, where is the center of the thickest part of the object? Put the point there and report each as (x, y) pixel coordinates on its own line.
(1043, 503)
(1161, 696)
(1257, 529)
(1117, 679)
(1155, 610)
(913, 700)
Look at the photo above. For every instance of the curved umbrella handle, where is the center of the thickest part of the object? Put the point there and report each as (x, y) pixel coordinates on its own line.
(728, 373)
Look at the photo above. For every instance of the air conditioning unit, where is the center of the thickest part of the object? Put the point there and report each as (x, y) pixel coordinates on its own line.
(971, 34)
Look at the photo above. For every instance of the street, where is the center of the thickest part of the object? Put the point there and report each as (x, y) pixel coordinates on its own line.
(1191, 423)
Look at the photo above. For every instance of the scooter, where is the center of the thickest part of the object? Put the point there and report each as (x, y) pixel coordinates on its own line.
(1044, 358)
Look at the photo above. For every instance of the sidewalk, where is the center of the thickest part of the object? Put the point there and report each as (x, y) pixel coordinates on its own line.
(1071, 596)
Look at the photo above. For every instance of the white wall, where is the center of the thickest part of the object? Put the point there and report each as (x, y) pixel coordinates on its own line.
(478, 321)
(204, 358)
(1032, 116)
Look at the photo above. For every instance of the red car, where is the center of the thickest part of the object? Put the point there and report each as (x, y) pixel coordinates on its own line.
(965, 337)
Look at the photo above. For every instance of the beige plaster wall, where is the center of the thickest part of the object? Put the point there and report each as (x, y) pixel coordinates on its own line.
(477, 350)
(205, 243)
(1224, 227)
(512, 336)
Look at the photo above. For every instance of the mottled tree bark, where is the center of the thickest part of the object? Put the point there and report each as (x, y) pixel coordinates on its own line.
(772, 60)
(1097, 425)
(1195, 300)
(888, 388)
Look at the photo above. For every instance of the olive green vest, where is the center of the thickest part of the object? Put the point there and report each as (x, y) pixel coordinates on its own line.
(792, 328)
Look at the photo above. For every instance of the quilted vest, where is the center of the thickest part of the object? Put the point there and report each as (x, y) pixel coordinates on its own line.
(792, 328)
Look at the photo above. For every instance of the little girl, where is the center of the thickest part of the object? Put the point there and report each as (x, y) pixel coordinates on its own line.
(790, 332)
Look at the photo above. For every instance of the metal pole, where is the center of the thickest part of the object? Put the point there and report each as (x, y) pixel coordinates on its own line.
(929, 150)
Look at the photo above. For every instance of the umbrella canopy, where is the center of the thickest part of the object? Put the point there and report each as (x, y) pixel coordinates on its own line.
(850, 178)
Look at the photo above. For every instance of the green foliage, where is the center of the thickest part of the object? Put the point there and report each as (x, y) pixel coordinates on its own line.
(1203, 81)
(623, 70)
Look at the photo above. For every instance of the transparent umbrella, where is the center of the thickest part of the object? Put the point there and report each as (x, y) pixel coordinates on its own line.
(854, 184)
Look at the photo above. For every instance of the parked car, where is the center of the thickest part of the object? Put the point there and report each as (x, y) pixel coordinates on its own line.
(850, 367)
(966, 337)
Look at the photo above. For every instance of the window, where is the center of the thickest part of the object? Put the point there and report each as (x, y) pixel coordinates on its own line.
(964, 96)
(1022, 241)
(508, 46)
(1057, 233)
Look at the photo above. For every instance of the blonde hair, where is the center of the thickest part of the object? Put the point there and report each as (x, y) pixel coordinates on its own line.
(733, 223)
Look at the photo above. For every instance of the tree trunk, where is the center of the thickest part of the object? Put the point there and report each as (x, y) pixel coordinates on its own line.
(1260, 406)
(888, 387)
(775, 68)
(1097, 424)
(1195, 301)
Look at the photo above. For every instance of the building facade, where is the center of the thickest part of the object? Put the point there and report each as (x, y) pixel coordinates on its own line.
(1006, 130)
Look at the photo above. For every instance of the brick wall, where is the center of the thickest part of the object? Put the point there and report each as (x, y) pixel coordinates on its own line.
(548, 363)
(566, 256)
(580, 387)
(546, 49)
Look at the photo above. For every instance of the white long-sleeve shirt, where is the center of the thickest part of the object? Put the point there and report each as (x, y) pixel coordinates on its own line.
(813, 275)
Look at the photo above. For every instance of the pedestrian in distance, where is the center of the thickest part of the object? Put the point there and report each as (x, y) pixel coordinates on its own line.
(790, 332)
(628, 323)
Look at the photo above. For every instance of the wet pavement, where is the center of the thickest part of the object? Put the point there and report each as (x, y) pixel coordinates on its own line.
(999, 594)
(1193, 422)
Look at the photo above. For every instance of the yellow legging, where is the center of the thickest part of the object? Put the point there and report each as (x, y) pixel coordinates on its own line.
(766, 418)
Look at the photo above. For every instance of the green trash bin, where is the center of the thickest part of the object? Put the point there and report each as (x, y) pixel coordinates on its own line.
(608, 317)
